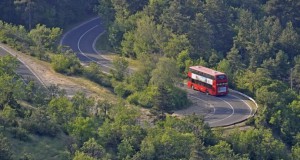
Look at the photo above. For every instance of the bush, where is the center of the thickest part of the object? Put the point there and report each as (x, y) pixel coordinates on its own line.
(66, 64)
(93, 73)
(134, 98)
(121, 90)
(144, 98)
(179, 98)
(40, 123)
(5, 148)
(20, 133)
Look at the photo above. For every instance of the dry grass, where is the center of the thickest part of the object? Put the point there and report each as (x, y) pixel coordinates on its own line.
(71, 85)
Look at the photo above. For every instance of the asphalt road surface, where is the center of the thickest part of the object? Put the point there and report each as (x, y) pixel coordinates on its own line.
(225, 110)
(82, 39)
(24, 71)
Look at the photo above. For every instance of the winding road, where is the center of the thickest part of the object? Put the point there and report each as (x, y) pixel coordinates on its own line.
(221, 111)
(23, 70)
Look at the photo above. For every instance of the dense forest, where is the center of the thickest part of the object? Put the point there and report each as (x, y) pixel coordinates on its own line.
(255, 42)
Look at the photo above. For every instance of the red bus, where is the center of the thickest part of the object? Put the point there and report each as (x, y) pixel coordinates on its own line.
(207, 80)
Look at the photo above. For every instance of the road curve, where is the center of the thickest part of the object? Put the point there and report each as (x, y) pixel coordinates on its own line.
(224, 111)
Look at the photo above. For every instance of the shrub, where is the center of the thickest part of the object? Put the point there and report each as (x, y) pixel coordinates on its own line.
(179, 98)
(121, 90)
(20, 133)
(40, 123)
(67, 64)
(93, 73)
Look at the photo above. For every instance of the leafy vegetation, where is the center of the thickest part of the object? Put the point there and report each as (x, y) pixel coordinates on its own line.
(254, 42)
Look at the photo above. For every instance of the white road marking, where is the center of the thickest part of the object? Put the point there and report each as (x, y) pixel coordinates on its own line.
(227, 116)
(81, 52)
(206, 103)
(246, 104)
(62, 39)
(94, 44)
(25, 66)
(233, 111)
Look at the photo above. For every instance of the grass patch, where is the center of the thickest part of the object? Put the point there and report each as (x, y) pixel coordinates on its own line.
(102, 92)
(133, 64)
(40, 147)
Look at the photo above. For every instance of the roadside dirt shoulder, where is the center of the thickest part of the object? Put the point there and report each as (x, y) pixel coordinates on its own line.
(49, 77)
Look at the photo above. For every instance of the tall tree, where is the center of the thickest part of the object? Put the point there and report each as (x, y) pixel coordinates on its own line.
(218, 15)
(43, 37)
(121, 68)
(28, 6)
(286, 10)
(173, 18)
(200, 35)
(288, 41)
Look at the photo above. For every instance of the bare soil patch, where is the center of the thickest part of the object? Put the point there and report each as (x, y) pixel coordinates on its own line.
(70, 84)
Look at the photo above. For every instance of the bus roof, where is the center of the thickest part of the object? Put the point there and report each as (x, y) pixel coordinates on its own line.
(207, 70)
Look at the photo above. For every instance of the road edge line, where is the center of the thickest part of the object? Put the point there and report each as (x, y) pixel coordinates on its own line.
(251, 99)
(15, 55)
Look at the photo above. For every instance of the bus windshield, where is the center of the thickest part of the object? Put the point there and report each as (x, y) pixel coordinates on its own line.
(221, 77)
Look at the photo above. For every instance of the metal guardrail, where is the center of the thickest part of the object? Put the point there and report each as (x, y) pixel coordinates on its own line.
(251, 99)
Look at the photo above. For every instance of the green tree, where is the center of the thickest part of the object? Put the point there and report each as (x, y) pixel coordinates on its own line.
(295, 73)
(176, 45)
(125, 150)
(217, 14)
(5, 150)
(296, 152)
(10, 91)
(68, 64)
(277, 66)
(225, 66)
(103, 108)
(222, 151)
(93, 149)
(165, 73)
(8, 65)
(288, 40)
(106, 11)
(81, 104)
(120, 68)
(29, 5)
(166, 143)
(82, 128)
(60, 110)
(9, 115)
(45, 38)
(115, 128)
(41, 123)
(258, 143)
(161, 102)
(82, 156)
(214, 59)
(173, 19)
(183, 60)
(127, 45)
(147, 38)
(234, 59)
(200, 35)
(252, 81)
(286, 10)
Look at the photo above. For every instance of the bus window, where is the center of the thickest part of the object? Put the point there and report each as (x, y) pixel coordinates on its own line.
(221, 77)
